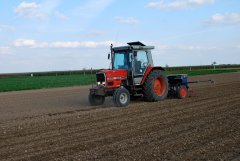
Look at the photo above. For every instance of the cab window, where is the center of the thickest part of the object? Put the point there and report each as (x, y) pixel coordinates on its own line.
(122, 60)
(141, 62)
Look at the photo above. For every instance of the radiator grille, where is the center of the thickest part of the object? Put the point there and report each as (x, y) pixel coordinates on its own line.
(101, 78)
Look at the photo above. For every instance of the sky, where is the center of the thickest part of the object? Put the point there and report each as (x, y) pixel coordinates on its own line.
(56, 35)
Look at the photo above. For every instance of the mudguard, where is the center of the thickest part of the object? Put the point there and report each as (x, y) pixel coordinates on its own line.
(148, 71)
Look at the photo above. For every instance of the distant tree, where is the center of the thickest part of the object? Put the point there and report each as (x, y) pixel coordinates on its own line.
(166, 65)
(214, 65)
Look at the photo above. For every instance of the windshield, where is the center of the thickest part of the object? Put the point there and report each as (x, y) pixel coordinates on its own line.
(122, 60)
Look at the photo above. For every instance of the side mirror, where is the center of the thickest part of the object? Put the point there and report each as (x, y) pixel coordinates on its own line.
(108, 56)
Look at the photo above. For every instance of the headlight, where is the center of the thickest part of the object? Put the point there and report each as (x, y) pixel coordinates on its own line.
(99, 83)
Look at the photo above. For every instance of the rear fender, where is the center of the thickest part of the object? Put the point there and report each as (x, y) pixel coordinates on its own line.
(148, 71)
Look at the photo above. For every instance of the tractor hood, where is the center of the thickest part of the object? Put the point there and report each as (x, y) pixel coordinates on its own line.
(114, 78)
(115, 74)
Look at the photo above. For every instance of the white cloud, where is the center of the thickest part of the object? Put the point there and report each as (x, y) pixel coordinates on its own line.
(60, 44)
(5, 50)
(127, 21)
(24, 43)
(187, 47)
(29, 10)
(7, 28)
(181, 47)
(178, 4)
(225, 19)
(77, 44)
(33, 10)
(30, 43)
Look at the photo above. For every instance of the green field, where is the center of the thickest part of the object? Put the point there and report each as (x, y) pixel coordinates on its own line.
(38, 82)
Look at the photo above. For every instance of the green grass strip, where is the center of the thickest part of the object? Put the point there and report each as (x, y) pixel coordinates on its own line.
(39, 82)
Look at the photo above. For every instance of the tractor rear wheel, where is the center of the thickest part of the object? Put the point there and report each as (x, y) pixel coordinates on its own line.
(96, 100)
(155, 87)
(121, 97)
(182, 92)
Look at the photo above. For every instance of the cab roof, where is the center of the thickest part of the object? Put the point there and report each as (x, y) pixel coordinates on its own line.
(134, 46)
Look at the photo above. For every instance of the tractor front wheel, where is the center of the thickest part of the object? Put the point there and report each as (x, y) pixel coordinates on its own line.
(121, 97)
(96, 100)
(155, 87)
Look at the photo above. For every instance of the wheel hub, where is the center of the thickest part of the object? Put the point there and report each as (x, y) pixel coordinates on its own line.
(123, 98)
(183, 92)
(159, 86)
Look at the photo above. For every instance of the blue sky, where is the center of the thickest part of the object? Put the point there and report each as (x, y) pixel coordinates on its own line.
(47, 35)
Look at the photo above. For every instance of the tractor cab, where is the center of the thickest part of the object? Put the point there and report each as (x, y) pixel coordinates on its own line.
(135, 58)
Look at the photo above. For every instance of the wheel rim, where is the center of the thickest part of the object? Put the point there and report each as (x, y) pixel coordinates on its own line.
(184, 92)
(159, 86)
(123, 98)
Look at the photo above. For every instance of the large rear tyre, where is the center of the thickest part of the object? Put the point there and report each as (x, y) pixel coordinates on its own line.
(95, 100)
(182, 92)
(121, 97)
(155, 87)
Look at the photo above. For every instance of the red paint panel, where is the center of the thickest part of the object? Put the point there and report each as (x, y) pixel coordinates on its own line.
(115, 76)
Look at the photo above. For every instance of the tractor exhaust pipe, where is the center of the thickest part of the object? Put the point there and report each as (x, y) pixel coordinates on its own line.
(111, 49)
(110, 57)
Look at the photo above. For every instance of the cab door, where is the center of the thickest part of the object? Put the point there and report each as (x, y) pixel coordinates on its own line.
(140, 64)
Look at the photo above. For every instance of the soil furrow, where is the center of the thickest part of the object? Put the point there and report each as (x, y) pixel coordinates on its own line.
(92, 129)
(108, 138)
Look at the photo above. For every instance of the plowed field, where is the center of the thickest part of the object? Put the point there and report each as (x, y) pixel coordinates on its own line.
(58, 124)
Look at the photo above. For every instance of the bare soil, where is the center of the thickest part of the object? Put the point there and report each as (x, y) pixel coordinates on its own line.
(59, 124)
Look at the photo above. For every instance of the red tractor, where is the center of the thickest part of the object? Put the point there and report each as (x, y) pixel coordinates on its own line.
(132, 74)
